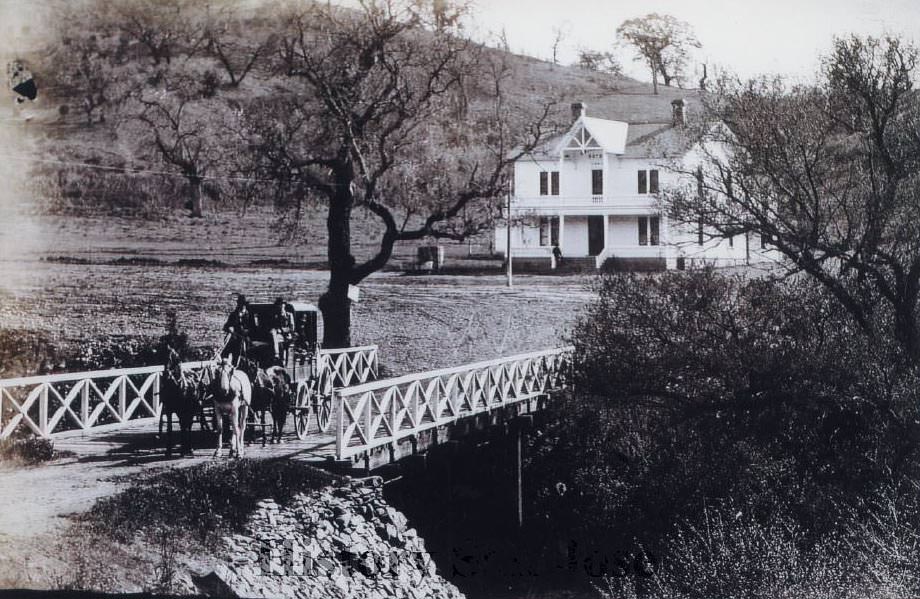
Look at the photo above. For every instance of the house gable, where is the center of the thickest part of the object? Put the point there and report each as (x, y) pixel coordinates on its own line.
(589, 133)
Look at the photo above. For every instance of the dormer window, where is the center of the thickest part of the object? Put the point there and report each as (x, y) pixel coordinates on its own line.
(648, 181)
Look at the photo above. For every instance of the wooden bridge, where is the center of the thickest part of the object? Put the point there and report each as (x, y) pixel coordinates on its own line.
(376, 421)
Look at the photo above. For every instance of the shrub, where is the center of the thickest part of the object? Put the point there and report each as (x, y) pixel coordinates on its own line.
(28, 451)
(694, 389)
(205, 501)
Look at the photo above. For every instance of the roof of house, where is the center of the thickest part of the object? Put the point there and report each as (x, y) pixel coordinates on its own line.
(656, 140)
(660, 139)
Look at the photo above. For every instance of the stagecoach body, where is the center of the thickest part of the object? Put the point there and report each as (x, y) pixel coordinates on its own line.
(311, 383)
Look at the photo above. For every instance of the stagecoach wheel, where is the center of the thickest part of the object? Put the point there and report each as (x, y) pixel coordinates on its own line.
(324, 413)
(302, 411)
(323, 405)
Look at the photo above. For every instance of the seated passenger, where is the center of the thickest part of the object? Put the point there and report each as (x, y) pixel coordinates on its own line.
(279, 325)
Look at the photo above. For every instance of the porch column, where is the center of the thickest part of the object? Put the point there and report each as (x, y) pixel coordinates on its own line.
(606, 232)
(562, 233)
(664, 241)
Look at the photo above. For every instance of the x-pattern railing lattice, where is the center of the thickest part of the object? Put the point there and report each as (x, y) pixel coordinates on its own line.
(383, 412)
(349, 366)
(47, 405)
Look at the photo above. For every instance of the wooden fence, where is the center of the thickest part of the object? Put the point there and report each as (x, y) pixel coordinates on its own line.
(383, 412)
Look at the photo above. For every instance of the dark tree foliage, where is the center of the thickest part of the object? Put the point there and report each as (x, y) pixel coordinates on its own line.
(694, 389)
(828, 175)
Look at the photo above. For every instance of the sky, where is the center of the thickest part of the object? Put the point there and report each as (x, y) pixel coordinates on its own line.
(747, 37)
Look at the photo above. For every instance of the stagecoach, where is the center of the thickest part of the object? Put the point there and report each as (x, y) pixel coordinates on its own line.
(300, 356)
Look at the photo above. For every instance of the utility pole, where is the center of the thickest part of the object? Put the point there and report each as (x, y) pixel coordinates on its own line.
(508, 246)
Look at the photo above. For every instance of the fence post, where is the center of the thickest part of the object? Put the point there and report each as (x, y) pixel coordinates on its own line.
(338, 403)
(122, 397)
(43, 410)
(155, 400)
(393, 425)
(368, 416)
(84, 405)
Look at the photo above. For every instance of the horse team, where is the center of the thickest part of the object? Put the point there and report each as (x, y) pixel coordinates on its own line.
(234, 390)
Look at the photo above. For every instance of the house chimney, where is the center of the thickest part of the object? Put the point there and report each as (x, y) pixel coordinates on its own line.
(677, 112)
(578, 110)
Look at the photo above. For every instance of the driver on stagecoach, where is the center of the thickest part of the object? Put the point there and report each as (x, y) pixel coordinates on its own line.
(238, 326)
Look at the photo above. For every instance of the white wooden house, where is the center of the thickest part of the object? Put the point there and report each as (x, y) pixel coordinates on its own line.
(594, 193)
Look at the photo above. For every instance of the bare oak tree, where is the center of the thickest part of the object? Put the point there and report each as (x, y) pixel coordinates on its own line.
(183, 134)
(828, 175)
(663, 42)
(235, 45)
(369, 124)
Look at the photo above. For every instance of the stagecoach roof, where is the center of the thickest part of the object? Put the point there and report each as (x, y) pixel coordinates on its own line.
(296, 306)
(303, 307)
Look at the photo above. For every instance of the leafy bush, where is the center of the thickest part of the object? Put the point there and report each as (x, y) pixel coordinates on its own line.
(205, 501)
(28, 451)
(24, 352)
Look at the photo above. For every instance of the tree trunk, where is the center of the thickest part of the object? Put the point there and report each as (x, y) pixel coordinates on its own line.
(336, 309)
(197, 199)
(334, 304)
(654, 78)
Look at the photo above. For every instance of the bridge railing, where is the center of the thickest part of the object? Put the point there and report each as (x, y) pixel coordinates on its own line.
(350, 365)
(58, 403)
(49, 405)
(386, 411)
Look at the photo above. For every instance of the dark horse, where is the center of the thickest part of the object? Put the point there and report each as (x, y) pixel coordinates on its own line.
(271, 392)
(179, 395)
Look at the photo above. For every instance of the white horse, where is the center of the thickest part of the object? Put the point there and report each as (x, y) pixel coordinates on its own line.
(232, 393)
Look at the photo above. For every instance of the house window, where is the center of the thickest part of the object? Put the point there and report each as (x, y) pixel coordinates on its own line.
(648, 181)
(549, 183)
(649, 230)
(549, 231)
(597, 182)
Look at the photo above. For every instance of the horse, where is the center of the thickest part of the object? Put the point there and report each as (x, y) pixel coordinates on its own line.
(271, 392)
(231, 392)
(178, 395)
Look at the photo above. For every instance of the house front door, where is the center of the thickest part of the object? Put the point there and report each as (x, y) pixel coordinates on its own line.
(595, 235)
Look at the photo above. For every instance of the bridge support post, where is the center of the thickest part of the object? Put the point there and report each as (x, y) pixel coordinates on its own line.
(519, 426)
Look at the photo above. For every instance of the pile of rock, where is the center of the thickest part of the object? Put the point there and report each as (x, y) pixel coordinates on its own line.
(337, 542)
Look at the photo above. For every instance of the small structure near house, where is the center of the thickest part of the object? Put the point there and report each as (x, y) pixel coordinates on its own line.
(430, 258)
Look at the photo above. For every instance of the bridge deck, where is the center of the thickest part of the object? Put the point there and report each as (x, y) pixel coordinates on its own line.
(137, 442)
